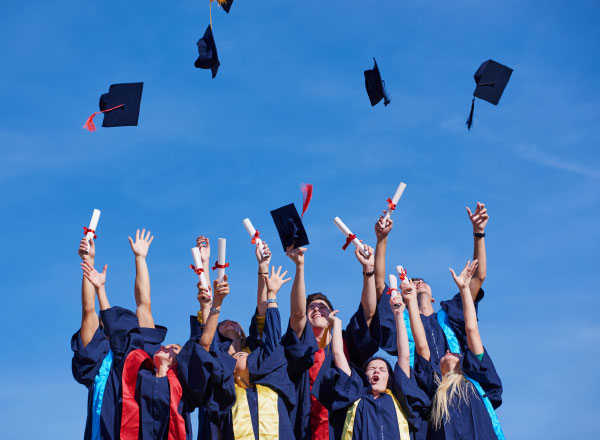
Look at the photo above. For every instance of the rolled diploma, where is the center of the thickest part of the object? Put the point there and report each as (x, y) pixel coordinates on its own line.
(342, 227)
(248, 225)
(198, 264)
(93, 226)
(400, 269)
(221, 259)
(393, 284)
(395, 200)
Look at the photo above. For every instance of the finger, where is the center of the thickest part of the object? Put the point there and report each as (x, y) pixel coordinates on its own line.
(92, 244)
(137, 234)
(151, 238)
(225, 278)
(143, 233)
(285, 281)
(147, 236)
(130, 241)
(469, 212)
(453, 274)
(335, 312)
(105, 267)
(284, 273)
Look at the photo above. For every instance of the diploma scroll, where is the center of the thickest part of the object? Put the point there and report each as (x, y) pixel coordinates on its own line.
(402, 274)
(394, 201)
(199, 266)
(393, 282)
(255, 237)
(221, 260)
(90, 232)
(349, 235)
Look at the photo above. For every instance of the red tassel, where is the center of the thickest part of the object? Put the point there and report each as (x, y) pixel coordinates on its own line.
(89, 124)
(306, 189)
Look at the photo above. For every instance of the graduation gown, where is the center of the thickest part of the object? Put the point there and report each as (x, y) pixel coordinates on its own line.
(469, 420)
(263, 409)
(354, 413)
(433, 331)
(361, 342)
(86, 365)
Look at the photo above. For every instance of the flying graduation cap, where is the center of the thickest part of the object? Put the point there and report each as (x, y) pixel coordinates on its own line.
(289, 224)
(375, 86)
(121, 106)
(207, 52)
(491, 79)
(225, 4)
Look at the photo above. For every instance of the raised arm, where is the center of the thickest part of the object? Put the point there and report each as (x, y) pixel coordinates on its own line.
(142, 277)
(337, 343)
(409, 296)
(381, 231)
(368, 297)
(263, 273)
(401, 334)
(298, 295)
(471, 328)
(479, 220)
(89, 317)
(97, 280)
(273, 283)
(220, 291)
(203, 244)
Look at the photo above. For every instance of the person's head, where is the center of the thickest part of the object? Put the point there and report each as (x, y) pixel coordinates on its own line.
(450, 362)
(378, 372)
(423, 290)
(318, 308)
(241, 375)
(231, 330)
(166, 356)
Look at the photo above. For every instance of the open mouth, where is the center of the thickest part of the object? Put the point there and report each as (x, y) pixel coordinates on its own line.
(374, 380)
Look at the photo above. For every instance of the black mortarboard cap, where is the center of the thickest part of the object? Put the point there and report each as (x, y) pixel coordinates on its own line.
(491, 79)
(289, 226)
(226, 4)
(375, 86)
(129, 95)
(207, 52)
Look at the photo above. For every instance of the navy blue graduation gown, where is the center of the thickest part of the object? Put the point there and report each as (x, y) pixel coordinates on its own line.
(467, 420)
(433, 331)
(375, 419)
(153, 338)
(85, 366)
(268, 366)
(361, 341)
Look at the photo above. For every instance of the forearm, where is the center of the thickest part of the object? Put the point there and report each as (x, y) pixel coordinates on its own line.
(418, 331)
(142, 293)
(479, 254)
(102, 298)
(210, 326)
(271, 295)
(89, 317)
(261, 294)
(471, 326)
(337, 348)
(298, 302)
(380, 249)
(402, 343)
(368, 297)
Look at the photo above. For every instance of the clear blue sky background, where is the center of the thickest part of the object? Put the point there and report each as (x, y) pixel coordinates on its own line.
(289, 106)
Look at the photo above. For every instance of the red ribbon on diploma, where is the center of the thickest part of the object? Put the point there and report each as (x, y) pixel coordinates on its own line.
(86, 230)
(256, 235)
(391, 205)
(402, 274)
(389, 292)
(220, 266)
(198, 270)
(349, 239)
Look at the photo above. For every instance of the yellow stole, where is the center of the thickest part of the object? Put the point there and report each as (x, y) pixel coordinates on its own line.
(351, 414)
(268, 415)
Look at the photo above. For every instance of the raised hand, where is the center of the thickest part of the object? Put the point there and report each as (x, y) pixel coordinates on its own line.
(203, 244)
(367, 263)
(463, 280)
(383, 229)
(221, 290)
(397, 304)
(332, 319)
(204, 296)
(141, 244)
(97, 279)
(479, 218)
(276, 280)
(408, 291)
(296, 255)
(263, 261)
(83, 251)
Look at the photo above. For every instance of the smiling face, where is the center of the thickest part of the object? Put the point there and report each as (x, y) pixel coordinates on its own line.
(378, 374)
(241, 375)
(167, 355)
(450, 362)
(317, 313)
(423, 289)
(230, 329)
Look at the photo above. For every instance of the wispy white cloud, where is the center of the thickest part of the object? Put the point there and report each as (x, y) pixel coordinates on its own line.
(542, 158)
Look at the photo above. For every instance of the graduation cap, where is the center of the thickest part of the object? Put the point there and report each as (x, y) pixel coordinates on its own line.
(491, 79)
(207, 52)
(225, 4)
(121, 106)
(289, 226)
(375, 86)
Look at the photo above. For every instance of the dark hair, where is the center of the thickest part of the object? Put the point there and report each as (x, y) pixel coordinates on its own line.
(387, 364)
(318, 296)
(418, 279)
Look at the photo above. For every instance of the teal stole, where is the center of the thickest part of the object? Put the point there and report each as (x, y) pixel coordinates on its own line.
(98, 394)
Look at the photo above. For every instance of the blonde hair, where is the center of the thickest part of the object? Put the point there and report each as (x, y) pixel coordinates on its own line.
(453, 389)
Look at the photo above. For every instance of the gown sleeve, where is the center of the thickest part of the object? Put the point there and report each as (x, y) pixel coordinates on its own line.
(425, 375)
(123, 331)
(153, 338)
(299, 351)
(362, 340)
(387, 324)
(484, 372)
(87, 360)
(456, 316)
(414, 401)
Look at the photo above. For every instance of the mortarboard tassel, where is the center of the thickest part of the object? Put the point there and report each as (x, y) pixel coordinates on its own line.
(306, 189)
(89, 124)
(470, 120)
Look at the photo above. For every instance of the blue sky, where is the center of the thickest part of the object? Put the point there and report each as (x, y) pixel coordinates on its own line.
(289, 106)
